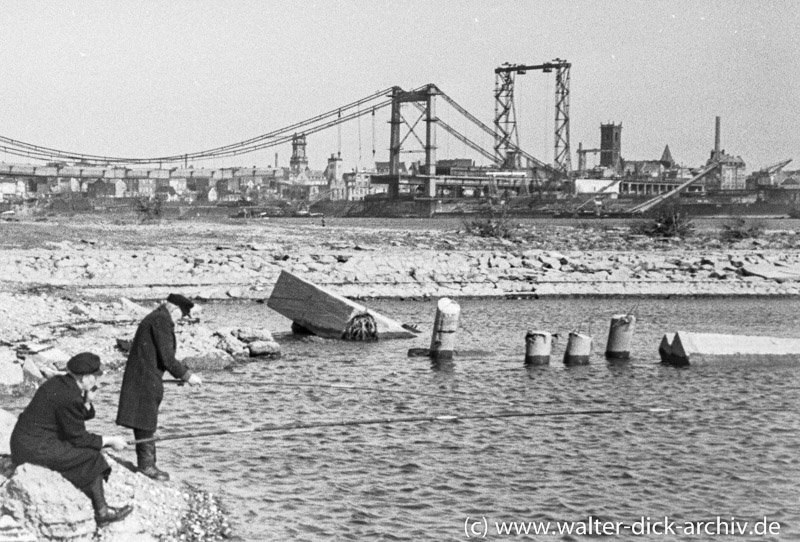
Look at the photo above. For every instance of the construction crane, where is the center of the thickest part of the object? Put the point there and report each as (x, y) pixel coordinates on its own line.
(505, 120)
(775, 168)
(582, 156)
(766, 176)
(658, 200)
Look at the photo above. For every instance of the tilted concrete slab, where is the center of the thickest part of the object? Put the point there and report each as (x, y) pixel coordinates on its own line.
(323, 312)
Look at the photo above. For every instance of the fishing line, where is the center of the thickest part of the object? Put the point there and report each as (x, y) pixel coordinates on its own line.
(435, 418)
(456, 397)
(328, 386)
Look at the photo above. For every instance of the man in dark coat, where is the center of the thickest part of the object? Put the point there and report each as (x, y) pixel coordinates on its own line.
(51, 432)
(152, 352)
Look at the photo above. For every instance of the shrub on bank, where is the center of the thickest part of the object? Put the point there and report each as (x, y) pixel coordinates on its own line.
(149, 209)
(491, 222)
(740, 228)
(666, 221)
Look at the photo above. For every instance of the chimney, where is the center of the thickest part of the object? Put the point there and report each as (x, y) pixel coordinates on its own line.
(276, 160)
(716, 140)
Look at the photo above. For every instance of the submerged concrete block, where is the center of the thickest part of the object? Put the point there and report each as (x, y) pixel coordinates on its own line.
(325, 313)
(687, 348)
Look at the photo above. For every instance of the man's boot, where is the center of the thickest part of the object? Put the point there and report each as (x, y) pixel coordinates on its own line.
(104, 514)
(146, 459)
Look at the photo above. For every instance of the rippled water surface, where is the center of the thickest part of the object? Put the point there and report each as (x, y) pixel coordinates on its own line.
(716, 455)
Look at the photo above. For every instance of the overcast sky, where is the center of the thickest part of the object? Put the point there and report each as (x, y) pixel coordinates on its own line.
(133, 78)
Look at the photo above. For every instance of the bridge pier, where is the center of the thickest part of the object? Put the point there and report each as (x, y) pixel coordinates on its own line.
(430, 188)
(399, 97)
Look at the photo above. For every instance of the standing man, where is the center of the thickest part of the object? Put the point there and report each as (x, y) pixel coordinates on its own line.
(51, 432)
(152, 353)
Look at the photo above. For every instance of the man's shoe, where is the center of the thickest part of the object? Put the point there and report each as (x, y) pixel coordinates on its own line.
(155, 473)
(109, 514)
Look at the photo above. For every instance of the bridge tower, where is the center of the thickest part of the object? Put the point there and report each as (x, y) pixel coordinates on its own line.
(425, 96)
(505, 119)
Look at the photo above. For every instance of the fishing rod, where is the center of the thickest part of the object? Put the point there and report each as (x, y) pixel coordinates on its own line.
(431, 418)
(459, 397)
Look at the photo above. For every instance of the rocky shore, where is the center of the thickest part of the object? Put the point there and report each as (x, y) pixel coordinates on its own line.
(40, 505)
(84, 282)
(102, 260)
(40, 333)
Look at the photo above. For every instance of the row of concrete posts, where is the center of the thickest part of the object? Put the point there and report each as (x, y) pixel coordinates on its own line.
(538, 344)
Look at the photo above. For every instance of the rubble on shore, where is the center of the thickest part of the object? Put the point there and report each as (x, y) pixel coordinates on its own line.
(38, 504)
(232, 262)
(41, 332)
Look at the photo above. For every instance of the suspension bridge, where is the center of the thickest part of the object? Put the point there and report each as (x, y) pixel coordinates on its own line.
(414, 122)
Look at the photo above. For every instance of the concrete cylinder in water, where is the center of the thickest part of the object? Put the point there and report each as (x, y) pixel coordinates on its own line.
(579, 348)
(537, 347)
(445, 326)
(620, 335)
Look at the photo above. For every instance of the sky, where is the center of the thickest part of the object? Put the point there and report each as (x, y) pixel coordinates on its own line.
(153, 78)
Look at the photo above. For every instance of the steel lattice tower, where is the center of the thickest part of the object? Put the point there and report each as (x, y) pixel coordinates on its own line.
(505, 116)
(505, 119)
(561, 156)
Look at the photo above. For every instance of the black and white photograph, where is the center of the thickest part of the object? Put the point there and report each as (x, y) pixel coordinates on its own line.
(362, 270)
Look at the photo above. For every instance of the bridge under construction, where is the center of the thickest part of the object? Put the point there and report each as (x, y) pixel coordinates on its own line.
(415, 122)
(503, 153)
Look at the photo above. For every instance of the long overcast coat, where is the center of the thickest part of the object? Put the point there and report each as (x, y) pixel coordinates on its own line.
(51, 432)
(152, 353)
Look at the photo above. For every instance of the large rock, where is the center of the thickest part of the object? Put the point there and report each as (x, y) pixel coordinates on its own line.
(12, 531)
(200, 348)
(45, 503)
(10, 374)
(134, 309)
(230, 343)
(39, 505)
(52, 358)
(31, 371)
(158, 508)
(6, 354)
(249, 334)
(7, 423)
(264, 348)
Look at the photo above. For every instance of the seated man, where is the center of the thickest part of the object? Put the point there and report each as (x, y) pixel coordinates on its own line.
(51, 432)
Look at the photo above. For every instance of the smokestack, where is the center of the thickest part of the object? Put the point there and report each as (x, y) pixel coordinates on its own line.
(716, 139)
(276, 160)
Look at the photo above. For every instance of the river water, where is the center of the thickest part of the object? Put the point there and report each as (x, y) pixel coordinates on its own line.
(727, 453)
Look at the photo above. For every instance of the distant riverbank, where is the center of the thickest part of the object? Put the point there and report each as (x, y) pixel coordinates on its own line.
(102, 257)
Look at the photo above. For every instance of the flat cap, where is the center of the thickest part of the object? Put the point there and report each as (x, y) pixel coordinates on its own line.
(183, 302)
(85, 363)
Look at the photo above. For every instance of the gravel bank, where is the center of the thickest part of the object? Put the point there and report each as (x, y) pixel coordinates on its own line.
(98, 258)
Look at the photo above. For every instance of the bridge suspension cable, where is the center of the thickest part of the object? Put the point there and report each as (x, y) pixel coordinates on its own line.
(538, 163)
(269, 139)
(461, 137)
(335, 117)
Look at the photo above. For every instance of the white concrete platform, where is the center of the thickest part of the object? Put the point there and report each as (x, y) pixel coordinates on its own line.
(686, 348)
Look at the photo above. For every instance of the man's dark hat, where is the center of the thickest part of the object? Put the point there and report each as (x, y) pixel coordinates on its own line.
(183, 302)
(85, 363)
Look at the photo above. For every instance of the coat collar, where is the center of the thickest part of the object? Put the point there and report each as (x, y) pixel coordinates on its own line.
(164, 312)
